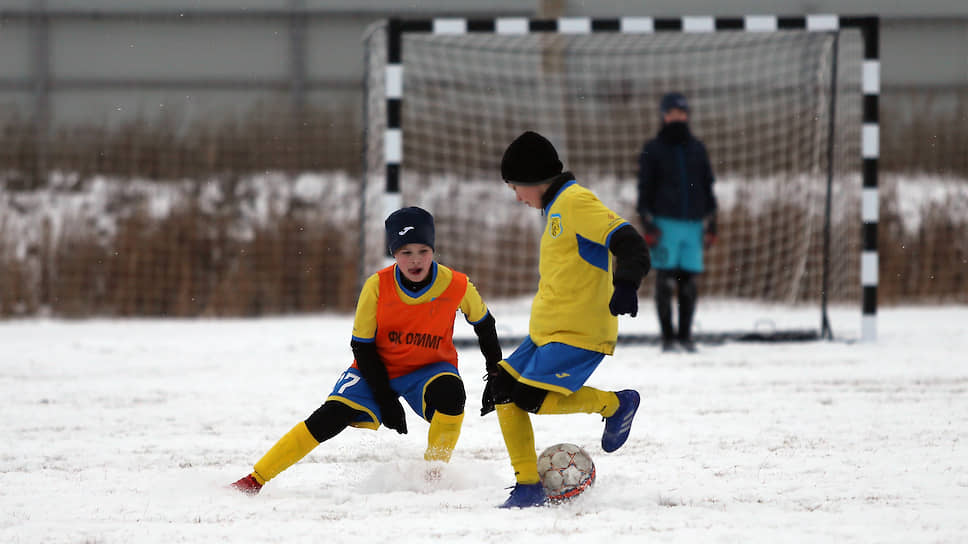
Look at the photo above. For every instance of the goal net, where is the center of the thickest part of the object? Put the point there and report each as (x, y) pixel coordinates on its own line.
(780, 113)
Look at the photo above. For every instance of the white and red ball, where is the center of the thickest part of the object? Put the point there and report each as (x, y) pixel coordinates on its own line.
(566, 470)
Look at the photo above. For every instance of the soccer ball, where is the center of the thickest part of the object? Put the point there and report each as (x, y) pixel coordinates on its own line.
(566, 470)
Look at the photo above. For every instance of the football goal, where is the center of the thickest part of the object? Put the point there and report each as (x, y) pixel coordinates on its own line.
(787, 107)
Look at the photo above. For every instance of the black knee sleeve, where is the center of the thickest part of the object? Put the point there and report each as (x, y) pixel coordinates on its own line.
(528, 398)
(445, 394)
(507, 389)
(329, 420)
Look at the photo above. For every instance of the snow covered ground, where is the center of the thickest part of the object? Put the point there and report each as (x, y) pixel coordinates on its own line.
(130, 431)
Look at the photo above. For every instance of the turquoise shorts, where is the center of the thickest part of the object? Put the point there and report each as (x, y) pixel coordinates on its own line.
(680, 245)
(352, 390)
(553, 366)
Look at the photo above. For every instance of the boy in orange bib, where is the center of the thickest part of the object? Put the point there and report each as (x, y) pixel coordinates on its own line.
(403, 347)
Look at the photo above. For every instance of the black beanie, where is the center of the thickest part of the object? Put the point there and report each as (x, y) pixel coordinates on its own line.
(673, 101)
(409, 226)
(530, 160)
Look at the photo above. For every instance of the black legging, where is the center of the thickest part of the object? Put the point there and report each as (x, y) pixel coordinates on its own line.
(685, 285)
(445, 394)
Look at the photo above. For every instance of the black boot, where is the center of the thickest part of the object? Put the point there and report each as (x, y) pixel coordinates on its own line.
(688, 293)
(664, 283)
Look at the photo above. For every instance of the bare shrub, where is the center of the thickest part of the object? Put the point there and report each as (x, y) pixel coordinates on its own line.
(268, 137)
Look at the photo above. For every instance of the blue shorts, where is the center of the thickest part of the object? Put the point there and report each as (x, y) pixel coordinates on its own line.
(352, 390)
(680, 245)
(553, 366)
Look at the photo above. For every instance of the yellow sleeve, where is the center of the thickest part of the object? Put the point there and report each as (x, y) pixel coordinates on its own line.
(594, 220)
(472, 306)
(364, 324)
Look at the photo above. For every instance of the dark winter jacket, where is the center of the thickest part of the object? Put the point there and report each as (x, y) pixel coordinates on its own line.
(675, 177)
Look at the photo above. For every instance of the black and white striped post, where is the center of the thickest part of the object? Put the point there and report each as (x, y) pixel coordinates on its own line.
(868, 25)
(393, 138)
(870, 145)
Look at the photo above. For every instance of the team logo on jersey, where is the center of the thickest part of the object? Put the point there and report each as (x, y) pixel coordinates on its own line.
(555, 225)
(419, 339)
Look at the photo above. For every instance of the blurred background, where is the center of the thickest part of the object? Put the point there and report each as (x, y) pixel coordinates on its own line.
(176, 158)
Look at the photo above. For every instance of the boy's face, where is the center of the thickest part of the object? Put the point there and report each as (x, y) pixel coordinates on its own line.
(675, 114)
(414, 260)
(529, 194)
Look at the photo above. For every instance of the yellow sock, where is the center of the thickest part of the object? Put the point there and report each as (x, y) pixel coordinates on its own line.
(519, 439)
(442, 437)
(292, 447)
(586, 400)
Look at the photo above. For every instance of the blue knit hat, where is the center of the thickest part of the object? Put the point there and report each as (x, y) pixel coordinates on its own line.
(409, 226)
(673, 101)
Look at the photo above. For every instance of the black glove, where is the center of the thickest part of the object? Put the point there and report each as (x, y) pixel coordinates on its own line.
(487, 399)
(625, 299)
(391, 412)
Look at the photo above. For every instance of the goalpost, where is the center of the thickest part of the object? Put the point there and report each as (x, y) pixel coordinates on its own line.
(786, 105)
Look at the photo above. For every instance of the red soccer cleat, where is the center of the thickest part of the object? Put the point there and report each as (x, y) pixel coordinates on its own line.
(247, 485)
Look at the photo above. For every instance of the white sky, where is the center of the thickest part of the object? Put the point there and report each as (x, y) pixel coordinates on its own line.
(130, 431)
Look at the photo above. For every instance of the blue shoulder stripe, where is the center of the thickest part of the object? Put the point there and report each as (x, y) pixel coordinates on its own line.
(608, 239)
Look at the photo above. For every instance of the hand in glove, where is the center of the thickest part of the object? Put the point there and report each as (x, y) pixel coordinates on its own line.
(625, 300)
(487, 399)
(391, 413)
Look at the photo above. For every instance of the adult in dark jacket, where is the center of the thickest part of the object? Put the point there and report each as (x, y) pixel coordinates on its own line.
(677, 208)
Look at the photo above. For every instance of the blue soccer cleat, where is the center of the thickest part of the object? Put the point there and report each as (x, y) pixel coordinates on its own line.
(526, 496)
(619, 425)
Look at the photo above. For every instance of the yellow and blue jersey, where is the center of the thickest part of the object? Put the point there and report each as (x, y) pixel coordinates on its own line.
(575, 286)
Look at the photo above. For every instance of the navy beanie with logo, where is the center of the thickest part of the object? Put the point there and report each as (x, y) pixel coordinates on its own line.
(530, 160)
(673, 101)
(411, 225)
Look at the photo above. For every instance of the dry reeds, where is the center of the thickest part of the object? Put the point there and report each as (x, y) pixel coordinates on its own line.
(185, 266)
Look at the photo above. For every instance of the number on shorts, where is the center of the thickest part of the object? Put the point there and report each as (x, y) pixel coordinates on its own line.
(348, 380)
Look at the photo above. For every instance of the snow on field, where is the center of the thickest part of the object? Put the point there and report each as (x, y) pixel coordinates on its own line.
(129, 431)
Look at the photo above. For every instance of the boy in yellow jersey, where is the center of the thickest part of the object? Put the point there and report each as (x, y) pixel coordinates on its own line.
(403, 346)
(573, 316)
